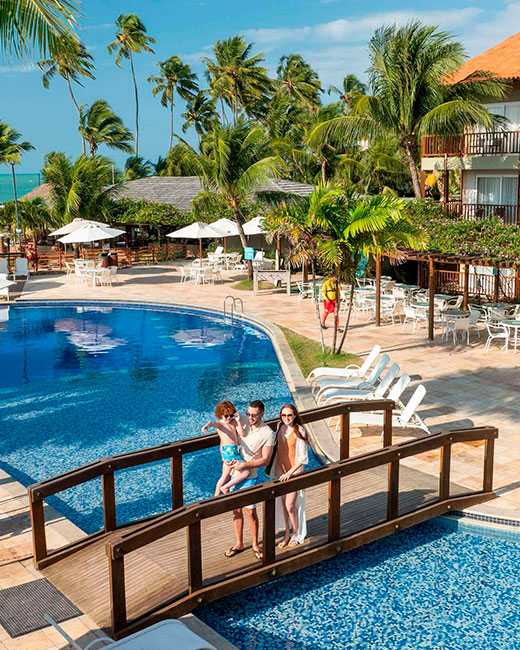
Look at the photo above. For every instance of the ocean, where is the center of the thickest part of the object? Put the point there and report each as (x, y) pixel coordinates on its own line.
(24, 183)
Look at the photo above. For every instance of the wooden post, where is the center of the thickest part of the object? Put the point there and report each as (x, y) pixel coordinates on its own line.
(109, 501)
(277, 254)
(431, 303)
(344, 440)
(489, 455)
(387, 427)
(116, 566)
(194, 557)
(268, 552)
(334, 518)
(517, 283)
(288, 281)
(177, 481)
(392, 506)
(465, 301)
(496, 291)
(419, 274)
(444, 475)
(378, 290)
(39, 541)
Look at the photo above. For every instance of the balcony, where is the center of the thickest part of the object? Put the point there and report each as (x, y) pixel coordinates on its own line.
(486, 143)
(508, 213)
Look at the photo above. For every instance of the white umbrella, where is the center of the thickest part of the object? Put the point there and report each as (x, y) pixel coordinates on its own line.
(90, 232)
(254, 226)
(226, 227)
(197, 230)
(74, 225)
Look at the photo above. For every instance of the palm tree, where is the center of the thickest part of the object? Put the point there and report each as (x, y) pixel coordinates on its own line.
(78, 189)
(199, 114)
(100, 125)
(69, 59)
(237, 79)
(11, 150)
(298, 81)
(28, 26)
(408, 73)
(137, 167)
(34, 216)
(131, 38)
(235, 161)
(175, 76)
(352, 88)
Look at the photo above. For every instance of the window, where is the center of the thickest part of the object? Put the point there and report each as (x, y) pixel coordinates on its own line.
(497, 190)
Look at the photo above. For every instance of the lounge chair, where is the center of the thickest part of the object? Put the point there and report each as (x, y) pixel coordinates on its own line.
(21, 267)
(375, 392)
(358, 383)
(404, 418)
(4, 270)
(352, 370)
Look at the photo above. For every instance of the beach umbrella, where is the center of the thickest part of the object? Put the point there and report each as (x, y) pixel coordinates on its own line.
(197, 230)
(74, 225)
(90, 232)
(255, 227)
(227, 227)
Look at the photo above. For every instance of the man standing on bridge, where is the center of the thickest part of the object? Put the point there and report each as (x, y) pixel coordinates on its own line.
(257, 448)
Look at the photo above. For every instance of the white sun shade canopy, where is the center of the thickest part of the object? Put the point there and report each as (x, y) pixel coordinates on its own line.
(196, 230)
(226, 227)
(90, 232)
(74, 225)
(254, 226)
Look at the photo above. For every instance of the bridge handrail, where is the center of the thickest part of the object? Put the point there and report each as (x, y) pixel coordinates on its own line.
(191, 517)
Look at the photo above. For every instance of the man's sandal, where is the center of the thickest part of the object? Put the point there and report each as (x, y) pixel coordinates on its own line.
(232, 551)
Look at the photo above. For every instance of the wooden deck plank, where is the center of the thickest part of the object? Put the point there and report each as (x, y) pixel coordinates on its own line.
(159, 571)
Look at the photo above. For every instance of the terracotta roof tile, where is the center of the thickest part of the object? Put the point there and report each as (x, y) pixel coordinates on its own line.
(503, 60)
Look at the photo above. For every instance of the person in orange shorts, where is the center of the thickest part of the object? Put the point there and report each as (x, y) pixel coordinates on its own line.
(329, 292)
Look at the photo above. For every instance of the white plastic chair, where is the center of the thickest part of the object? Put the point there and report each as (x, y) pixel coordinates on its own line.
(219, 250)
(454, 303)
(498, 332)
(104, 277)
(21, 267)
(4, 269)
(113, 274)
(351, 370)
(378, 392)
(453, 326)
(360, 383)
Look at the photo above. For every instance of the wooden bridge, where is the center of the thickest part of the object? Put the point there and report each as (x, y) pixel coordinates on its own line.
(129, 577)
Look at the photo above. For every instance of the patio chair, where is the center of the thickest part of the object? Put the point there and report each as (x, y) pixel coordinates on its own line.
(4, 267)
(374, 392)
(360, 383)
(414, 314)
(476, 317)
(113, 274)
(218, 251)
(452, 326)
(398, 389)
(21, 267)
(403, 418)
(498, 332)
(455, 302)
(104, 277)
(352, 370)
(70, 270)
(4, 291)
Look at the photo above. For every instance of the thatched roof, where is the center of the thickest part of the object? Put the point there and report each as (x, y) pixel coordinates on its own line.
(43, 191)
(181, 190)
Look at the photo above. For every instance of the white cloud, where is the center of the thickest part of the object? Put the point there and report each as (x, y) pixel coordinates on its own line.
(18, 67)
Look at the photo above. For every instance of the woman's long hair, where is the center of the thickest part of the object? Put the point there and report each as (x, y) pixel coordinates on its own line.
(296, 423)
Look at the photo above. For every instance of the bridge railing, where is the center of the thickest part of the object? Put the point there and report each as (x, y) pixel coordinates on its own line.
(197, 590)
(106, 468)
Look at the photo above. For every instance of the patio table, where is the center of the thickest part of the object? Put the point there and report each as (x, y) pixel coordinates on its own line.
(513, 326)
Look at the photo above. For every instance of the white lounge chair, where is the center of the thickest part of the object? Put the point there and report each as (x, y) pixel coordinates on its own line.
(360, 383)
(376, 392)
(351, 370)
(165, 635)
(398, 389)
(4, 270)
(404, 418)
(21, 267)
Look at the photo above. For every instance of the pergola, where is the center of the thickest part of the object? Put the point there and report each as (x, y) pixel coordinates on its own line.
(434, 257)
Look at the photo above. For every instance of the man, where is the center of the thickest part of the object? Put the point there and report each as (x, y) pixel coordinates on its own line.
(257, 447)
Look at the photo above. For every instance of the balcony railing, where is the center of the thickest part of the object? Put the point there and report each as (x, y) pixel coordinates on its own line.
(508, 213)
(493, 143)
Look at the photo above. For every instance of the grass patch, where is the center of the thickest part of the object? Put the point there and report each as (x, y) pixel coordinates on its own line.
(309, 355)
(243, 285)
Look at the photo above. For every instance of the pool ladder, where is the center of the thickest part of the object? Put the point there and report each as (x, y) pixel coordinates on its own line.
(234, 304)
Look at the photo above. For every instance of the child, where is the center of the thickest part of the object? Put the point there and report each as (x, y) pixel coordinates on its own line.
(330, 299)
(229, 428)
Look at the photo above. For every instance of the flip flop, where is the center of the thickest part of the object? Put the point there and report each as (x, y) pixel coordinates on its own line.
(258, 554)
(232, 551)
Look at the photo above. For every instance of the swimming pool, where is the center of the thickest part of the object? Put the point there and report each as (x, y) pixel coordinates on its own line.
(433, 587)
(85, 381)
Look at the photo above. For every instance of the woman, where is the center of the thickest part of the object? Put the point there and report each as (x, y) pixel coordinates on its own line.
(291, 456)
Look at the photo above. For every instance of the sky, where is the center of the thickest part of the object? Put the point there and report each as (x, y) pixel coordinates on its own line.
(332, 35)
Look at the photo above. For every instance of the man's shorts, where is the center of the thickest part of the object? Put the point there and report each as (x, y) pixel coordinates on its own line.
(249, 482)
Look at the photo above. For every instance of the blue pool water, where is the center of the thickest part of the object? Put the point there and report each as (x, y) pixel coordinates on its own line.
(78, 383)
(428, 587)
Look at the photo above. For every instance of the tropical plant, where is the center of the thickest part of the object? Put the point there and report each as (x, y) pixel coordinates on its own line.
(160, 167)
(237, 79)
(199, 114)
(409, 71)
(100, 125)
(34, 217)
(11, 151)
(178, 161)
(34, 26)
(131, 38)
(175, 77)
(130, 212)
(352, 88)
(137, 167)
(71, 61)
(298, 81)
(78, 189)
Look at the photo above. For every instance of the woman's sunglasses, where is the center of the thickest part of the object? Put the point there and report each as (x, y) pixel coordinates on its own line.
(287, 415)
(228, 416)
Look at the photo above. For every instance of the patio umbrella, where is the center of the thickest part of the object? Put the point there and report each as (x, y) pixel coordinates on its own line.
(197, 230)
(254, 226)
(227, 227)
(90, 232)
(74, 225)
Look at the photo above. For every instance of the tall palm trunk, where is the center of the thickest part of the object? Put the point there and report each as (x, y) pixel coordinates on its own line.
(409, 152)
(243, 240)
(75, 102)
(171, 122)
(347, 322)
(317, 302)
(136, 106)
(18, 230)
